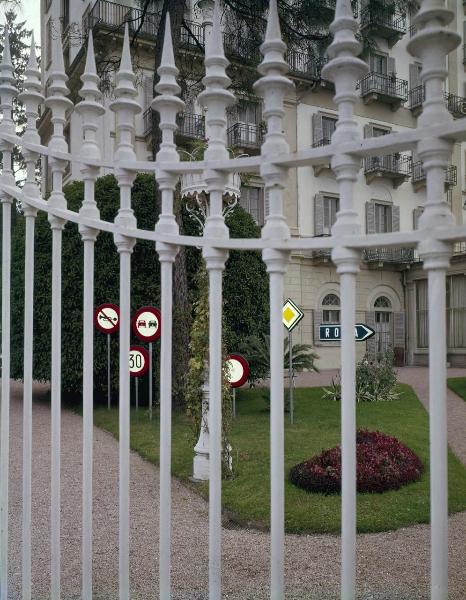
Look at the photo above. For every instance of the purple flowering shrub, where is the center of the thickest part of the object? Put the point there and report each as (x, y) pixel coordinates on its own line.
(382, 463)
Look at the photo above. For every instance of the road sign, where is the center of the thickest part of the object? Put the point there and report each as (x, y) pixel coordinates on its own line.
(332, 333)
(291, 315)
(238, 370)
(138, 361)
(107, 318)
(146, 323)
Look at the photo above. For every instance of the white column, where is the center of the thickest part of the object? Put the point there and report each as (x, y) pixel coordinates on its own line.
(432, 42)
(31, 98)
(7, 94)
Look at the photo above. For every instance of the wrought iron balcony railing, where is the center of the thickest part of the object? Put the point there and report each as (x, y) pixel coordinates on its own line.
(464, 54)
(412, 30)
(113, 16)
(391, 164)
(389, 255)
(189, 125)
(387, 21)
(192, 35)
(419, 175)
(459, 248)
(325, 141)
(455, 104)
(245, 135)
(386, 87)
(303, 64)
(239, 46)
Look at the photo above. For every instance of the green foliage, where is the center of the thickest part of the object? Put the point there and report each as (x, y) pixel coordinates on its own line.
(198, 371)
(245, 282)
(458, 385)
(144, 285)
(256, 348)
(375, 381)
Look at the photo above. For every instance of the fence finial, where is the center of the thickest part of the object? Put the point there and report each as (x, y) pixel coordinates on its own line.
(6, 58)
(168, 56)
(90, 79)
(8, 89)
(273, 31)
(32, 67)
(125, 76)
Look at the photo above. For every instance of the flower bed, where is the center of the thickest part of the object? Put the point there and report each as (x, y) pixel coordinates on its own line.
(382, 463)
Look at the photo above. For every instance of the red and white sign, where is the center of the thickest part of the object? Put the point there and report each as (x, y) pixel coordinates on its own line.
(146, 324)
(138, 361)
(238, 370)
(107, 318)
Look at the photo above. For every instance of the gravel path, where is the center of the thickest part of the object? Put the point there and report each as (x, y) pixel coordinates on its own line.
(391, 566)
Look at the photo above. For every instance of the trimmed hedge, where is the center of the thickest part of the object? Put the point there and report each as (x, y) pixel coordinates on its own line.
(382, 463)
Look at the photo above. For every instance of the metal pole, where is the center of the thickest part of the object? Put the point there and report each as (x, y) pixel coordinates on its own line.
(137, 394)
(290, 350)
(234, 403)
(150, 381)
(108, 372)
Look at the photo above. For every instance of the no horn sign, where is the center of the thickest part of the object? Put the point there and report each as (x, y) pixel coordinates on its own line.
(332, 333)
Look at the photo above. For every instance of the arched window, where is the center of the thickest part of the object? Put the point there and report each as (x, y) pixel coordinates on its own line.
(382, 303)
(331, 309)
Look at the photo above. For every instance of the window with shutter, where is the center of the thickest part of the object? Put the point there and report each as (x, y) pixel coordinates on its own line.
(266, 203)
(147, 84)
(422, 320)
(331, 207)
(370, 217)
(395, 218)
(378, 63)
(399, 330)
(328, 127)
(417, 212)
(391, 66)
(371, 344)
(250, 200)
(414, 75)
(319, 214)
(383, 218)
(331, 309)
(317, 129)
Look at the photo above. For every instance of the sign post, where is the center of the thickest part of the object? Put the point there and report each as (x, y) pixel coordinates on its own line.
(146, 325)
(138, 366)
(332, 333)
(107, 320)
(238, 373)
(291, 316)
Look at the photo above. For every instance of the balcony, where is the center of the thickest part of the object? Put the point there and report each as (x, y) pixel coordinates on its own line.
(384, 88)
(381, 19)
(111, 16)
(192, 36)
(419, 176)
(247, 136)
(325, 141)
(381, 256)
(396, 167)
(305, 66)
(459, 248)
(242, 48)
(189, 126)
(456, 105)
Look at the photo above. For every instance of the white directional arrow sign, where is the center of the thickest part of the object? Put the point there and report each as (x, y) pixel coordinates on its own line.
(332, 333)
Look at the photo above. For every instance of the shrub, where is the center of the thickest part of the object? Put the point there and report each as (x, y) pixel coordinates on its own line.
(382, 463)
(375, 381)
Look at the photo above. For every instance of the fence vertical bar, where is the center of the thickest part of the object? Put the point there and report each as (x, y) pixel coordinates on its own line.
(215, 97)
(168, 105)
(91, 110)
(31, 97)
(344, 69)
(273, 86)
(59, 105)
(7, 94)
(432, 43)
(125, 107)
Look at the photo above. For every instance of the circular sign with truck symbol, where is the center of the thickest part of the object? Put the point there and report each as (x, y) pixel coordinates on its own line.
(107, 318)
(146, 323)
(138, 361)
(238, 370)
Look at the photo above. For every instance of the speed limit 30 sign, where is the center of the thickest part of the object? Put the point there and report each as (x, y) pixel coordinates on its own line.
(138, 361)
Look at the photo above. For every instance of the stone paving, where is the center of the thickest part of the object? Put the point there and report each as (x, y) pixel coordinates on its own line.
(391, 566)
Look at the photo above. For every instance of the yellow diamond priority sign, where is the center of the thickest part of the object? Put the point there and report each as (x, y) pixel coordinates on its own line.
(291, 315)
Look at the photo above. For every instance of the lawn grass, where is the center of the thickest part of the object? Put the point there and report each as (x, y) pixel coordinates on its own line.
(458, 385)
(317, 426)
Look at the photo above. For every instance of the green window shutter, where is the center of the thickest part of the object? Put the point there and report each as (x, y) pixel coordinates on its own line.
(317, 129)
(399, 330)
(318, 316)
(371, 346)
(319, 214)
(370, 217)
(417, 212)
(395, 218)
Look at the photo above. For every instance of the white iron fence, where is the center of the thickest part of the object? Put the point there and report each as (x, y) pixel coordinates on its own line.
(432, 140)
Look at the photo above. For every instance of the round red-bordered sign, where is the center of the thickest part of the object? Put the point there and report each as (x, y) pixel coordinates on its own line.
(138, 361)
(146, 323)
(238, 370)
(107, 318)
